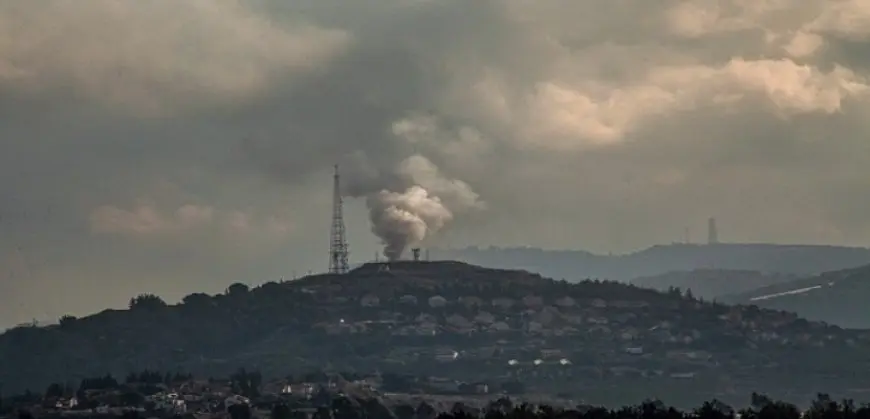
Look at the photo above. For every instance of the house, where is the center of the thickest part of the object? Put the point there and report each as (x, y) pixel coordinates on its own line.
(551, 353)
(598, 320)
(427, 328)
(408, 299)
(566, 331)
(533, 301)
(628, 304)
(370, 300)
(474, 388)
(689, 355)
(629, 334)
(299, 389)
(623, 371)
(534, 327)
(458, 321)
(446, 355)
(565, 302)
(503, 303)
(471, 301)
(484, 317)
(236, 399)
(426, 318)
(67, 403)
(500, 327)
(437, 301)
(547, 315)
(443, 384)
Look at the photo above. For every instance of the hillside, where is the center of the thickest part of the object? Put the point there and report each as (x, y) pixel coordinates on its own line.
(458, 321)
(838, 297)
(713, 283)
(800, 260)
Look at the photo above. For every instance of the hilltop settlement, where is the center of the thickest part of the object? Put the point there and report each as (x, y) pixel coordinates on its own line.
(449, 329)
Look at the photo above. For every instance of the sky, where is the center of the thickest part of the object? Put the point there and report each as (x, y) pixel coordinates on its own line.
(173, 147)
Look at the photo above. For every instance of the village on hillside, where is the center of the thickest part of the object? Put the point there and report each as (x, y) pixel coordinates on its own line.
(450, 328)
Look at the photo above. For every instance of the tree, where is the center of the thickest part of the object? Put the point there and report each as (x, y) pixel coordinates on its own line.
(67, 321)
(404, 411)
(247, 383)
(54, 391)
(689, 295)
(131, 398)
(459, 408)
(502, 404)
(237, 289)
(322, 412)
(712, 410)
(147, 302)
(240, 411)
(426, 411)
(281, 411)
(197, 299)
(759, 401)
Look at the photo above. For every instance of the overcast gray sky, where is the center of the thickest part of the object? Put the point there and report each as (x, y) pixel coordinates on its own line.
(177, 146)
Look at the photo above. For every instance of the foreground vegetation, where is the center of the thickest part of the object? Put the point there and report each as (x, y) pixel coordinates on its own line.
(245, 395)
(340, 406)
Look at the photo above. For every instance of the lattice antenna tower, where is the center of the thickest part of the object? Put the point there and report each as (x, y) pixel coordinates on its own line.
(338, 250)
(712, 233)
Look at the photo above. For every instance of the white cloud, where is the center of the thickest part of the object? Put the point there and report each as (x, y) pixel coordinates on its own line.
(803, 44)
(562, 116)
(845, 18)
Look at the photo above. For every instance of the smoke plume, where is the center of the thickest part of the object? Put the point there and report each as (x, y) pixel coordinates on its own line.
(423, 203)
(401, 219)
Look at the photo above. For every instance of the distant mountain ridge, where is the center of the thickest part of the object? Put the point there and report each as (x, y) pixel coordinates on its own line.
(713, 283)
(800, 260)
(839, 297)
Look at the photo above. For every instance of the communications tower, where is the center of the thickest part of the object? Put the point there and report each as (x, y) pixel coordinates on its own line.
(338, 249)
(712, 234)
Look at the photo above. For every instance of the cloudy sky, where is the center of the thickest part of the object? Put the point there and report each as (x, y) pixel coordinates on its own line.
(176, 146)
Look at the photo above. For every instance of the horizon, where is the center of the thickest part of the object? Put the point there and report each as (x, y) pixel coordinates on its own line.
(354, 265)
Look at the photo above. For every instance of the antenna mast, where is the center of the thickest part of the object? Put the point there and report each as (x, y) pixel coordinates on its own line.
(338, 249)
(712, 234)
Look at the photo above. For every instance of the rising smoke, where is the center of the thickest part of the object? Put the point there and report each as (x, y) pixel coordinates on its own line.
(414, 202)
(401, 219)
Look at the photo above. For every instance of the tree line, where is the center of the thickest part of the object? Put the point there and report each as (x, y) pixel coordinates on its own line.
(761, 407)
(328, 405)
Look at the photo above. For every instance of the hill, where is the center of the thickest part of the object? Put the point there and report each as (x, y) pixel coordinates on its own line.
(713, 283)
(800, 260)
(443, 322)
(837, 297)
